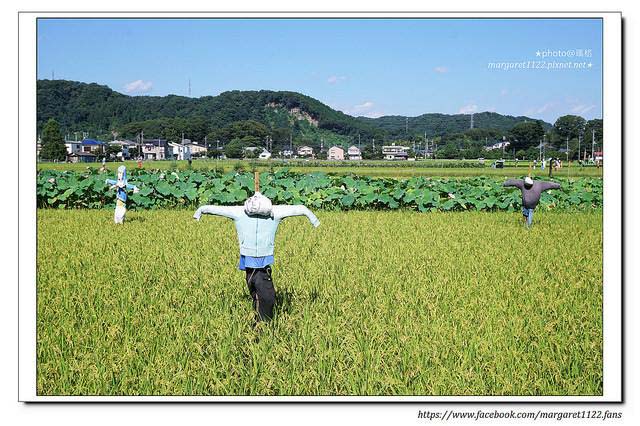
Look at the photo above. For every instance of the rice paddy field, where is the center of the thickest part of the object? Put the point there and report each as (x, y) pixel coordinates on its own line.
(369, 303)
(373, 168)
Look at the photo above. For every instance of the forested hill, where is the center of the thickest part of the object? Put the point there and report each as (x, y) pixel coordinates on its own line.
(396, 126)
(99, 110)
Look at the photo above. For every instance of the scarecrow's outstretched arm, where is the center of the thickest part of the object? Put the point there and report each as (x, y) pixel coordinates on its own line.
(232, 212)
(514, 182)
(129, 186)
(281, 212)
(544, 186)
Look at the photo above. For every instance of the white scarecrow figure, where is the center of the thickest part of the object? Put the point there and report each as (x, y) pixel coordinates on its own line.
(256, 224)
(121, 187)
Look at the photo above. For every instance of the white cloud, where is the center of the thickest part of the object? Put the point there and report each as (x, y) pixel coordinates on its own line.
(364, 106)
(541, 109)
(582, 108)
(441, 69)
(336, 79)
(365, 109)
(544, 108)
(504, 92)
(373, 114)
(468, 109)
(138, 86)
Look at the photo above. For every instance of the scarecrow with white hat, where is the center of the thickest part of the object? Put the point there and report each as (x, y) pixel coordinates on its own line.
(121, 185)
(531, 191)
(256, 225)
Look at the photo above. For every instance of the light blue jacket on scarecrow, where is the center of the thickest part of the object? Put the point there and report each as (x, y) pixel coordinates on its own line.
(256, 234)
(121, 184)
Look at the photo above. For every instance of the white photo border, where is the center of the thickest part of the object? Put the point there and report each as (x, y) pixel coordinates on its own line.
(612, 210)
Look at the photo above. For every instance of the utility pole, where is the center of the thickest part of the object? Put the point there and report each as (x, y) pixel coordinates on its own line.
(579, 140)
(406, 126)
(359, 146)
(471, 125)
(189, 86)
(141, 143)
(426, 144)
(567, 149)
(593, 144)
(540, 151)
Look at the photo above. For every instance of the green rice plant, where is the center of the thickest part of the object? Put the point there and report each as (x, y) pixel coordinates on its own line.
(374, 168)
(369, 303)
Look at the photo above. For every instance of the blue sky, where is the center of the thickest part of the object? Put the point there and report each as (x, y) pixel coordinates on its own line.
(362, 67)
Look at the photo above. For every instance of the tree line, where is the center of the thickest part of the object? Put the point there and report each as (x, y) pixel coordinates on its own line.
(239, 119)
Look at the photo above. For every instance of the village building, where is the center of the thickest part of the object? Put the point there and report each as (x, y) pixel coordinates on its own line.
(156, 149)
(395, 152)
(335, 153)
(354, 153)
(305, 151)
(180, 151)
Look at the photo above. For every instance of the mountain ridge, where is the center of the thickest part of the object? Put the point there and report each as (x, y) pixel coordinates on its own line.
(96, 108)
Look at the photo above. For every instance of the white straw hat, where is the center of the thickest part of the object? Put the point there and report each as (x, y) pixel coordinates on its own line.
(528, 181)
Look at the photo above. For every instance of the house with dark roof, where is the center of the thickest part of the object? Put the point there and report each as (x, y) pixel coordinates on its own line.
(93, 146)
(156, 149)
(395, 152)
(82, 157)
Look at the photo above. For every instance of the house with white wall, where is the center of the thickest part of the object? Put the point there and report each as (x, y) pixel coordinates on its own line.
(73, 147)
(180, 151)
(354, 153)
(305, 151)
(395, 152)
(156, 149)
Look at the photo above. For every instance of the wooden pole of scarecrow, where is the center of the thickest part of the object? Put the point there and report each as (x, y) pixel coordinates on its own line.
(523, 217)
(256, 181)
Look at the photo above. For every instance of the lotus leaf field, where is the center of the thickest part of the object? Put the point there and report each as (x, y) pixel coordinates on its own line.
(419, 286)
(170, 189)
